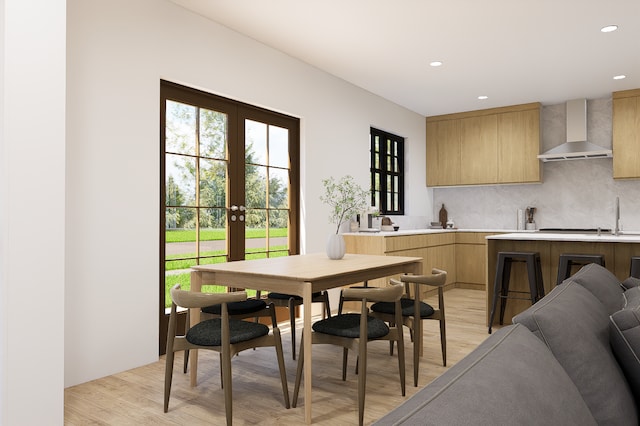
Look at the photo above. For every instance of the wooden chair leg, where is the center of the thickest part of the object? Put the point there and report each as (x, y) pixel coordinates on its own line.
(345, 356)
(283, 371)
(168, 376)
(292, 321)
(299, 369)
(227, 386)
(362, 379)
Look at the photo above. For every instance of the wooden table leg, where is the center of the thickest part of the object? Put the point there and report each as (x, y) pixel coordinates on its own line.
(196, 285)
(306, 296)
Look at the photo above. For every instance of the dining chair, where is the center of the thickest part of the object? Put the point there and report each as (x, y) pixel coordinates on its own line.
(224, 335)
(352, 331)
(388, 312)
(250, 308)
(291, 301)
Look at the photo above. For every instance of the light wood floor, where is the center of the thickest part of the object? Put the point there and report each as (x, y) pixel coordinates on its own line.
(135, 397)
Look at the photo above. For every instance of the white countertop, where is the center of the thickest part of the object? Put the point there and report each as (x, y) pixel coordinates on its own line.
(426, 231)
(510, 234)
(568, 236)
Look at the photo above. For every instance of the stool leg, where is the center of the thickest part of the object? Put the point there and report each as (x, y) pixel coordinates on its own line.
(564, 267)
(539, 281)
(533, 279)
(497, 283)
(506, 276)
(634, 268)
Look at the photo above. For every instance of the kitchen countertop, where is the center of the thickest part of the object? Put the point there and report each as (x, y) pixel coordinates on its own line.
(511, 234)
(400, 232)
(629, 237)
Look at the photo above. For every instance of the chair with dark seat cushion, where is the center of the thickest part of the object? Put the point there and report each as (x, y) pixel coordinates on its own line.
(224, 335)
(290, 302)
(249, 308)
(347, 330)
(386, 312)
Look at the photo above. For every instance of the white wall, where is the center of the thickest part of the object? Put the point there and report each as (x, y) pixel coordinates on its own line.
(573, 194)
(118, 51)
(32, 222)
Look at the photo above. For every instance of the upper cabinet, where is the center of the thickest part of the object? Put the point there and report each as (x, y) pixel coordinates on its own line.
(626, 134)
(492, 146)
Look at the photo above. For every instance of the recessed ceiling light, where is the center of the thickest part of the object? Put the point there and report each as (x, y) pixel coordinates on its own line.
(436, 63)
(609, 28)
(619, 77)
(483, 97)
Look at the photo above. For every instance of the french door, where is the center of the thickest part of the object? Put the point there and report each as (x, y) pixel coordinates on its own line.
(229, 185)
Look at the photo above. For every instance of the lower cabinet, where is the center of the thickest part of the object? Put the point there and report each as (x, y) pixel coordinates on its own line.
(462, 254)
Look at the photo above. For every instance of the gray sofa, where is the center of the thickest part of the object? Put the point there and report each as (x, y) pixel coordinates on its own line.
(573, 358)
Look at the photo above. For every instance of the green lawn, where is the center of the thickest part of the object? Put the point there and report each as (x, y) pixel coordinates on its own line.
(184, 278)
(189, 235)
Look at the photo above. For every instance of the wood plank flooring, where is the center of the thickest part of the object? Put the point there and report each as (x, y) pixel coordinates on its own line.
(135, 397)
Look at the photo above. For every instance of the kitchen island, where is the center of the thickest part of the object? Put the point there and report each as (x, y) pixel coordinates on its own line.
(617, 251)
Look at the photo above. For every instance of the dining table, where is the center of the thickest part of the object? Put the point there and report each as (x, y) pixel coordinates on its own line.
(300, 275)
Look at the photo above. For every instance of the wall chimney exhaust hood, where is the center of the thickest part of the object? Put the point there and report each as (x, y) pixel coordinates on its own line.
(576, 147)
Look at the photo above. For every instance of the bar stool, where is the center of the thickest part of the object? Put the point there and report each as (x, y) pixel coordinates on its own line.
(635, 267)
(503, 275)
(567, 261)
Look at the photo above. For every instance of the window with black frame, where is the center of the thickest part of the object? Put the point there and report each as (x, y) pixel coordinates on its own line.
(387, 172)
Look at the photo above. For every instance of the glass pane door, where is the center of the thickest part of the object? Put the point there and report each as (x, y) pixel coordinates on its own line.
(267, 177)
(229, 178)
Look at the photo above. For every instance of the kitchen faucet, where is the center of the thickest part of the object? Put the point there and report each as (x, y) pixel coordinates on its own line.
(617, 230)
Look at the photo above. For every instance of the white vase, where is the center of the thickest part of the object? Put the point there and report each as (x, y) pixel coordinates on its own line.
(335, 246)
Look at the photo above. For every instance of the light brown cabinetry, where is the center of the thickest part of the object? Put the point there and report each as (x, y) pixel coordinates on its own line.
(626, 134)
(462, 254)
(498, 145)
(436, 250)
(519, 146)
(471, 260)
(617, 257)
(443, 153)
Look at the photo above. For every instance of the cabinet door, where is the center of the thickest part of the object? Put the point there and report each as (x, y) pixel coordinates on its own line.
(478, 150)
(626, 137)
(443, 153)
(519, 146)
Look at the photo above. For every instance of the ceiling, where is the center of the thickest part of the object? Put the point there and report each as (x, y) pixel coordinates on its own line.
(513, 51)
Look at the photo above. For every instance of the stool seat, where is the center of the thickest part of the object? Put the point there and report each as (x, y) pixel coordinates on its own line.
(568, 260)
(503, 275)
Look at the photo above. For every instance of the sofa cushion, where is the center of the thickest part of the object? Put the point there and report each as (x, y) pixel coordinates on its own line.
(575, 326)
(631, 298)
(625, 342)
(631, 282)
(603, 284)
(511, 378)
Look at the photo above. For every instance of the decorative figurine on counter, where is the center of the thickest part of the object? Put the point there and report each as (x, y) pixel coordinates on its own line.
(443, 217)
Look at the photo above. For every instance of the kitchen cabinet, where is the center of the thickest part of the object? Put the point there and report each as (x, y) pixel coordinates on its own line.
(492, 146)
(443, 153)
(479, 149)
(626, 134)
(436, 249)
(462, 254)
(471, 260)
(519, 146)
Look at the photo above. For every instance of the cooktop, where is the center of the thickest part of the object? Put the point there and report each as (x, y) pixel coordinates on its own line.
(576, 230)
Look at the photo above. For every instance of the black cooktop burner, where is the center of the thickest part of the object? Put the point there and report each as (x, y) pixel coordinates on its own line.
(576, 230)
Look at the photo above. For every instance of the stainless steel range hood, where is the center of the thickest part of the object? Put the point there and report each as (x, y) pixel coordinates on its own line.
(576, 147)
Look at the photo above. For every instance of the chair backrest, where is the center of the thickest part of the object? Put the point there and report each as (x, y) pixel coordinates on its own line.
(193, 299)
(374, 294)
(438, 278)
